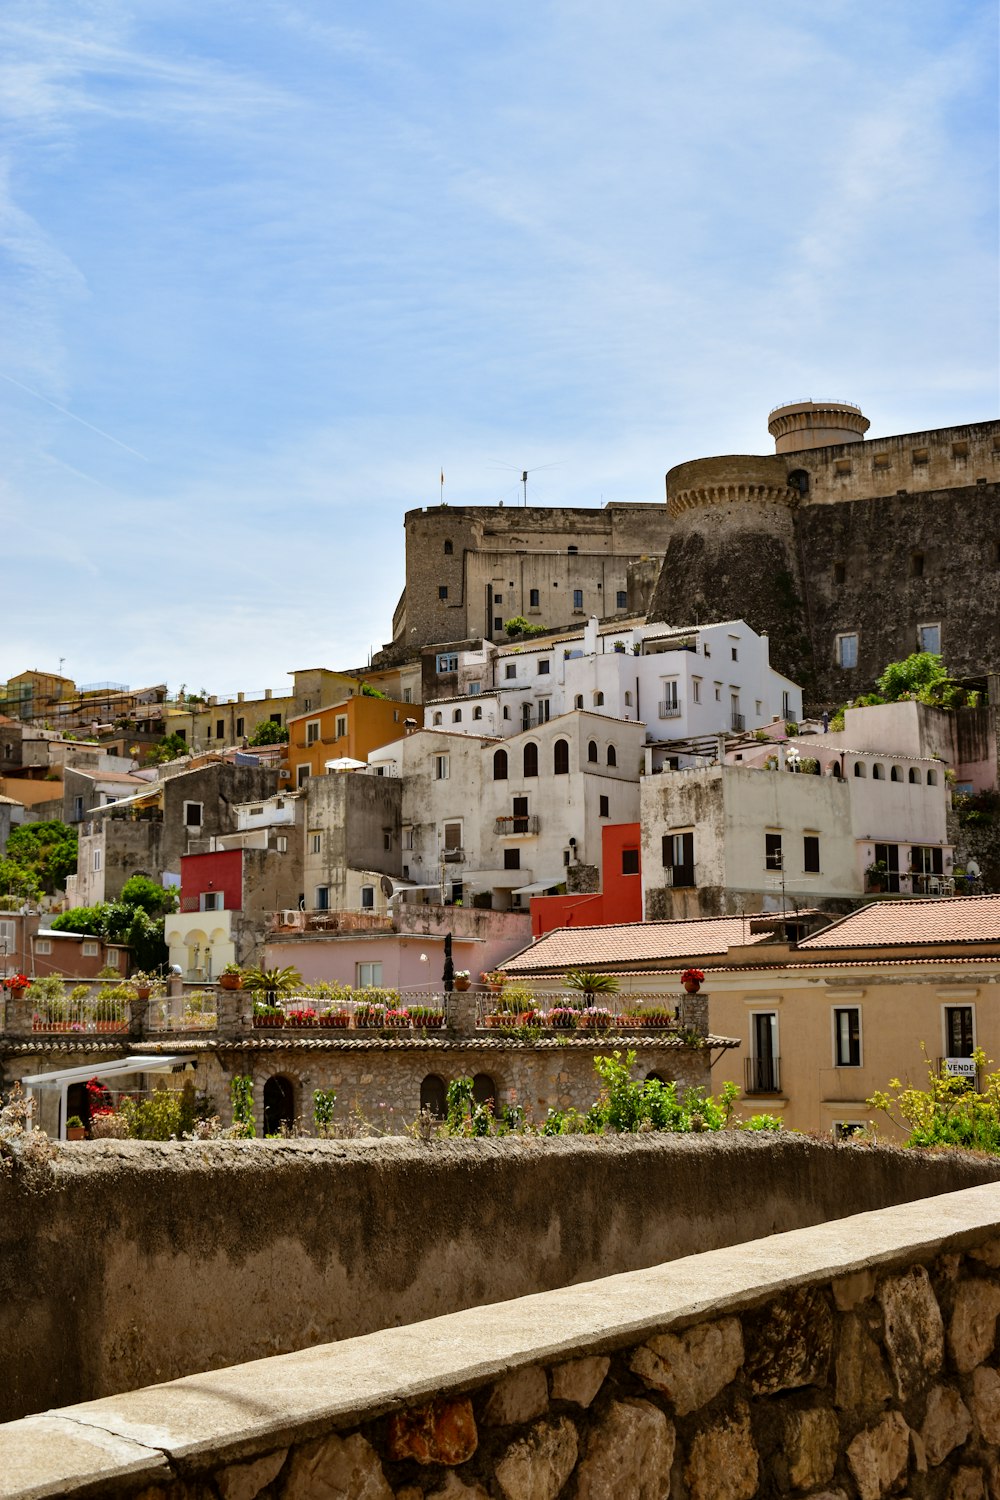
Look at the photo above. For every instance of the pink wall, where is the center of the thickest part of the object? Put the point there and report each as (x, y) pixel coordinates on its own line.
(335, 960)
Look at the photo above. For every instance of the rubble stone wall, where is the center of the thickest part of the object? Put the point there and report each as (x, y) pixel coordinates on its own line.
(857, 1359)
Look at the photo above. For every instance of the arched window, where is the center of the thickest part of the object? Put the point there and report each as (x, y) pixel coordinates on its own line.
(456, 716)
(628, 700)
(592, 751)
(484, 1090)
(499, 765)
(578, 701)
(448, 548)
(655, 1077)
(895, 774)
(560, 758)
(279, 1104)
(433, 1095)
(860, 769)
(914, 776)
(878, 772)
(438, 719)
(477, 712)
(835, 770)
(798, 479)
(531, 760)
(612, 756)
(598, 700)
(932, 778)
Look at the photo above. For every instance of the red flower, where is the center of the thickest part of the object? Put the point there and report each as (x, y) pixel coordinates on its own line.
(695, 976)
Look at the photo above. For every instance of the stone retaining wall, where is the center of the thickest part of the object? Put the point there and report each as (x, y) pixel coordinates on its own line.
(853, 1359)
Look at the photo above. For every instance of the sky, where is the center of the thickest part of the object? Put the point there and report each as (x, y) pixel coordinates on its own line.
(267, 269)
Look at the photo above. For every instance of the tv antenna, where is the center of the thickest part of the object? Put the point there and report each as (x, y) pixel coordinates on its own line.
(523, 480)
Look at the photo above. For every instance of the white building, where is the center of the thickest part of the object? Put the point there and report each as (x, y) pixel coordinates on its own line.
(500, 819)
(689, 684)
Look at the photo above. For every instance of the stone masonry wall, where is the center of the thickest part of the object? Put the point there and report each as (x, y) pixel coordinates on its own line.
(856, 1360)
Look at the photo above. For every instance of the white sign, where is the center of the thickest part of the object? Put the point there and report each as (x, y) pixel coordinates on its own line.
(961, 1067)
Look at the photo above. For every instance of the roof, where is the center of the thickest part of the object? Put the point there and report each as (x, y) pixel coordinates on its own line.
(633, 942)
(894, 924)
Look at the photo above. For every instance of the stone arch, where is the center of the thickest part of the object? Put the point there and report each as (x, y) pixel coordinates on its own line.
(434, 1095)
(484, 1090)
(278, 1102)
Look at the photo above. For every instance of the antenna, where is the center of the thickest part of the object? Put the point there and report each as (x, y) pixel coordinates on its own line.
(524, 474)
(524, 481)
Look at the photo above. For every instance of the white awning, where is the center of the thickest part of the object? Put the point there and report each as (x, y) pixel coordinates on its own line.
(133, 1064)
(537, 887)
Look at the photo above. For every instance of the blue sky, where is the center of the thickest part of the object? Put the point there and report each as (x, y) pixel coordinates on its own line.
(266, 268)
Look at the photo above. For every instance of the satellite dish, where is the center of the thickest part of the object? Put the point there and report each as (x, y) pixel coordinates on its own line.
(385, 885)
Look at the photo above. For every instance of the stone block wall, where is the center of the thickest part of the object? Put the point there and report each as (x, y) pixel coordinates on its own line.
(857, 1359)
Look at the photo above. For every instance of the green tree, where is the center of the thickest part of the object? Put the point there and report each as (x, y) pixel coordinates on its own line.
(517, 625)
(168, 749)
(269, 733)
(155, 899)
(367, 691)
(44, 853)
(120, 922)
(922, 676)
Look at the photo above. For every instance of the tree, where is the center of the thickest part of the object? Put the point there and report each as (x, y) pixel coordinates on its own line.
(42, 855)
(122, 922)
(367, 691)
(154, 899)
(922, 676)
(269, 733)
(168, 749)
(517, 625)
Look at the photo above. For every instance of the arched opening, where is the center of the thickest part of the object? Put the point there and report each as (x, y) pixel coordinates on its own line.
(914, 776)
(279, 1104)
(531, 760)
(860, 769)
(484, 1090)
(612, 756)
(433, 1095)
(578, 701)
(655, 1077)
(835, 770)
(628, 700)
(499, 765)
(598, 700)
(878, 772)
(560, 758)
(456, 716)
(477, 713)
(592, 751)
(438, 719)
(448, 548)
(798, 479)
(895, 774)
(932, 778)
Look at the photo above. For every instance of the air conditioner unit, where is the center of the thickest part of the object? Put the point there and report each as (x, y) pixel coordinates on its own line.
(284, 775)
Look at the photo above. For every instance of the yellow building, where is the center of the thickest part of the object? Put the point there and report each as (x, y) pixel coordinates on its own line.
(34, 694)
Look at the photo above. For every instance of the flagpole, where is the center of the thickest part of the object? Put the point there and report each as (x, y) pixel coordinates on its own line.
(442, 486)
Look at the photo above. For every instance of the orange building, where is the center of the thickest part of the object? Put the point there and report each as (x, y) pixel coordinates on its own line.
(349, 730)
(618, 901)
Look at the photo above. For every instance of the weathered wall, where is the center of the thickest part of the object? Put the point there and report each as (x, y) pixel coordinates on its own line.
(149, 1261)
(860, 1362)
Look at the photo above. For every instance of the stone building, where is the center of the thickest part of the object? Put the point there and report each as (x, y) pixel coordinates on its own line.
(848, 552)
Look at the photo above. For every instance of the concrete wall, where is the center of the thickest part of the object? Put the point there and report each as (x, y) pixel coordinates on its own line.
(146, 1262)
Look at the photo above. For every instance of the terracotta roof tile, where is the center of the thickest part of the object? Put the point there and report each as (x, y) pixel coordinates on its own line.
(894, 924)
(633, 942)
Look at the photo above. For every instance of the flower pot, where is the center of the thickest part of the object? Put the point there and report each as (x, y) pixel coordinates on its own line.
(76, 1133)
(143, 992)
(337, 1023)
(462, 984)
(230, 982)
(498, 1018)
(692, 986)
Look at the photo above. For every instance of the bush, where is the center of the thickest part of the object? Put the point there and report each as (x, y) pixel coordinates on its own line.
(948, 1112)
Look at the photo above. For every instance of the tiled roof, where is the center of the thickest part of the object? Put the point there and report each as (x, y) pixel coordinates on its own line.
(302, 1042)
(893, 924)
(633, 942)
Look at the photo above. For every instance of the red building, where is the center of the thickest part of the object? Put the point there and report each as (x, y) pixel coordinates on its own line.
(619, 901)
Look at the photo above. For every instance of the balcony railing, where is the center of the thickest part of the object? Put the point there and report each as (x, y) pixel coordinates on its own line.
(679, 875)
(671, 710)
(517, 824)
(738, 723)
(571, 1011)
(453, 856)
(762, 1075)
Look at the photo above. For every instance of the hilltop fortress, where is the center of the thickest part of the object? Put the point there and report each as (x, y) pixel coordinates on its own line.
(847, 552)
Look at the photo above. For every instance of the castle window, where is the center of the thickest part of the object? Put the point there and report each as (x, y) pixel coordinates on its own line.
(621, 599)
(895, 774)
(860, 769)
(921, 455)
(592, 751)
(914, 776)
(842, 466)
(442, 591)
(847, 651)
(612, 756)
(929, 638)
(448, 549)
(878, 772)
(839, 573)
(916, 565)
(534, 598)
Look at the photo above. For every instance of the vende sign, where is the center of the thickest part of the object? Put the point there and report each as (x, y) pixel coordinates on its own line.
(961, 1067)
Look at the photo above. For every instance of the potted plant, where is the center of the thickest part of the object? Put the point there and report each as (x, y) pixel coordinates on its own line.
(231, 977)
(301, 1017)
(75, 1129)
(397, 1018)
(425, 1018)
(17, 984)
(144, 985)
(463, 979)
(563, 1018)
(877, 875)
(493, 980)
(337, 1019)
(692, 980)
(368, 1016)
(267, 1016)
(597, 1018)
(589, 982)
(658, 1018)
(619, 648)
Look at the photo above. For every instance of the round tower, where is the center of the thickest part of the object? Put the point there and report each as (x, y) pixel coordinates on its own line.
(816, 424)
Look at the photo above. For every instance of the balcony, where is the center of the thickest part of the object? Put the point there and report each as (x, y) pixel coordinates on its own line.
(676, 876)
(671, 710)
(738, 723)
(453, 856)
(762, 1075)
(525, 823)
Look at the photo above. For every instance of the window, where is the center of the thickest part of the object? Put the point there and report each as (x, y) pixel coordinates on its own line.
(843, 1130)
(560, 758)
(97, 859)
(322, 898)
(927, 859)
(442, 591)
(499, 765)
(958, 1031)
(612, 756)
(453, 835)
(441, 768)
(407, 695)
(916, 565)
(274, 719)
(718, 692)
(439, 718)
(598, 700)
(433, 1096)
(302, 774)
(630, 861)
(367, 898)
(525, 715)
(240, 728)
(860, 769)
(498, 598)
(772, 851)
(387, 838)
(315, 843)
(544, 710)
(621, 599)
(210, 901)
(497, 622)
(932, 778)
(510, 670)
(533, 598)
(678, 857)
(696, 689)
(477, 712)
(456, 716)
(628, 699)
(368, 974)
(448, 548)
(447, 661)
(512, 859)
(281, 844)
(847, 651)
(914, 776)
(762, 1064)
(474, 689)
(340, 726)
(895, 774)
(43, 946)
(90, 950)
(193, 814)
(408, 837)
(531, 760)
(77, 809)
(758, 707)
(578, 598)
(506, 710)
(878, 772)
(312, 732)
(113, 958)
(220, 728)
(786, 704)
(578, 701)
(846, 1036)
(929, 638)
(810, 854)
(736, 654)
(543, 667)
(592, 751)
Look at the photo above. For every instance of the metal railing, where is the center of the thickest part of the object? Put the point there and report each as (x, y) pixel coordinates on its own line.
(191, 1012)
(378, 1010)
(671, 710)
(514, 823)
(679, 875)
(91, 1015)
(738, 722)
(560, 1012)
(762, 1075)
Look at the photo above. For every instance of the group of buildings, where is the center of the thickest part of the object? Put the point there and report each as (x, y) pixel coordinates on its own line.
(620, 775)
